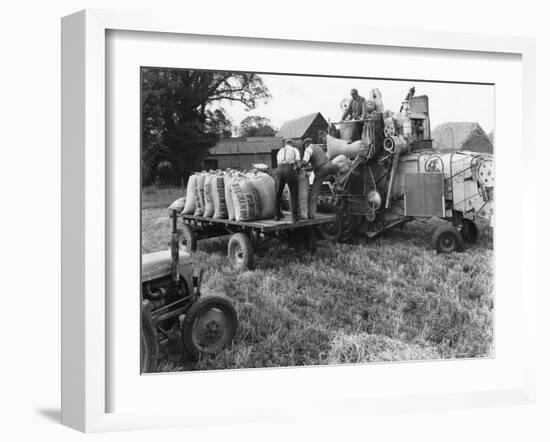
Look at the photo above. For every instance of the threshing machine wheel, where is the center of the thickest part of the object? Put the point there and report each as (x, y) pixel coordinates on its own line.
(447, 239)
(341, 229)
(209, 325)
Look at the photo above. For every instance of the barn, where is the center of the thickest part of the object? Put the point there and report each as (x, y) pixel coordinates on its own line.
(312, 126)
(461, 136)
(243, 152)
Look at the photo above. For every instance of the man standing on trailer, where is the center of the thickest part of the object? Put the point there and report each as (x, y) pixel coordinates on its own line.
(288, 159)
(357, 109)
(322, 168)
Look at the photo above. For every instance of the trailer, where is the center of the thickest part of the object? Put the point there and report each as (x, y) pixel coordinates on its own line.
(250, 237)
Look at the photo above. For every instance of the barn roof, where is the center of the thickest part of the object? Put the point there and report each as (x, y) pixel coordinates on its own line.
(240, 145)
(298, 127)
(461, 136)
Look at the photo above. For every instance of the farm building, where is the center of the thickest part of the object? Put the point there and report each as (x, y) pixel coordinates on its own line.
(461, 136)
(243, 152)
(312, 126)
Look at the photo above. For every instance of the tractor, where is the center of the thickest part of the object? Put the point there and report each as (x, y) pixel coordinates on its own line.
(172, 307)
(396, 176)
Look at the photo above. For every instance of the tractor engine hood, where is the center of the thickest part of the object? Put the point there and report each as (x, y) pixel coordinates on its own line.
(158, 264)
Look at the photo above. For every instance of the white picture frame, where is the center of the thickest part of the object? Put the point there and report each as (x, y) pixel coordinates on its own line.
(85, 233)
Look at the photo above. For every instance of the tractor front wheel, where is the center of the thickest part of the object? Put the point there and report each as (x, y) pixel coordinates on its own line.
(447, 239)
(209, 325)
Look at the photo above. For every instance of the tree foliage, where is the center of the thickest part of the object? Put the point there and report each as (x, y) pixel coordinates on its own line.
(182, 115)
(256, 126)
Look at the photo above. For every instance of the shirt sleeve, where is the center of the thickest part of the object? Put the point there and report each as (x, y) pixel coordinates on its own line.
(280, 156)
(307, 154)
(297, 152)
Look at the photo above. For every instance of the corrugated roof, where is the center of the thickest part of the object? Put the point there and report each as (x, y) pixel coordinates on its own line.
(298, 127)
(461, 136)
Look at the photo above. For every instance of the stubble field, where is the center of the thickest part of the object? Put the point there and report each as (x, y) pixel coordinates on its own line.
(389, 299)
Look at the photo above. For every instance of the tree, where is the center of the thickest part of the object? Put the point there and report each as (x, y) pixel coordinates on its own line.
(182, 114)
(256, 126)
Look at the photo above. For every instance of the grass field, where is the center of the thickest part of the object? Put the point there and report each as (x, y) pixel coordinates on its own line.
(389, 299)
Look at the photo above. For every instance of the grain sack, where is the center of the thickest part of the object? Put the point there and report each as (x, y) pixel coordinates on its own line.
(208, 201)
(303, 193)
(336, 147)
(177, 205)
(265, 186)
(343, 163)
(227, 181)
(376, 97)
(199, 194)
(189, 207)
(218, 196)
(370, 106)
(246, 201)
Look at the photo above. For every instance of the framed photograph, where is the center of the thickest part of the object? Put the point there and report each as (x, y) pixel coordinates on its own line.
(298, 223)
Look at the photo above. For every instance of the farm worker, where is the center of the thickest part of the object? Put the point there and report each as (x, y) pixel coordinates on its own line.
(288, 158)
(357, 108)
(322, 168)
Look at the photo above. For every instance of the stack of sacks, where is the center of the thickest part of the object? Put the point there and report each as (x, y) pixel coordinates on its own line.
(229, 195)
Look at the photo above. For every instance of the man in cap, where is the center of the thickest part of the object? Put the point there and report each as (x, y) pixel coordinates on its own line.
(357, 108)
(288, 158)
(322, 168)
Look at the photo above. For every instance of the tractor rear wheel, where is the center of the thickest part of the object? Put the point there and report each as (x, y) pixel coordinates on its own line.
(341, 229)
(209, 325)
(447, 239)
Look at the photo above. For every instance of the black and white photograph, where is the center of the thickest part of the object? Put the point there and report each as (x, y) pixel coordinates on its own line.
(302, 220)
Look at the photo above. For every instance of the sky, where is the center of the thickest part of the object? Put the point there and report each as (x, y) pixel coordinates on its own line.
(296, 96)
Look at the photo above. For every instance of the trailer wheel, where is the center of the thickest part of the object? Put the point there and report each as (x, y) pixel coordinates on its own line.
(148, 342)
(447, 239)
(469, 231)
(209, 325)
(240, 252)
(188, 238)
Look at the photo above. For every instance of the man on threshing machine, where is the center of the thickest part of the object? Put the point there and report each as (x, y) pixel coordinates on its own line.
(357, 108)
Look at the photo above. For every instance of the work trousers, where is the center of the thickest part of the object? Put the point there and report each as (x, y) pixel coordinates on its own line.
(285, 174)
(321, 174)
